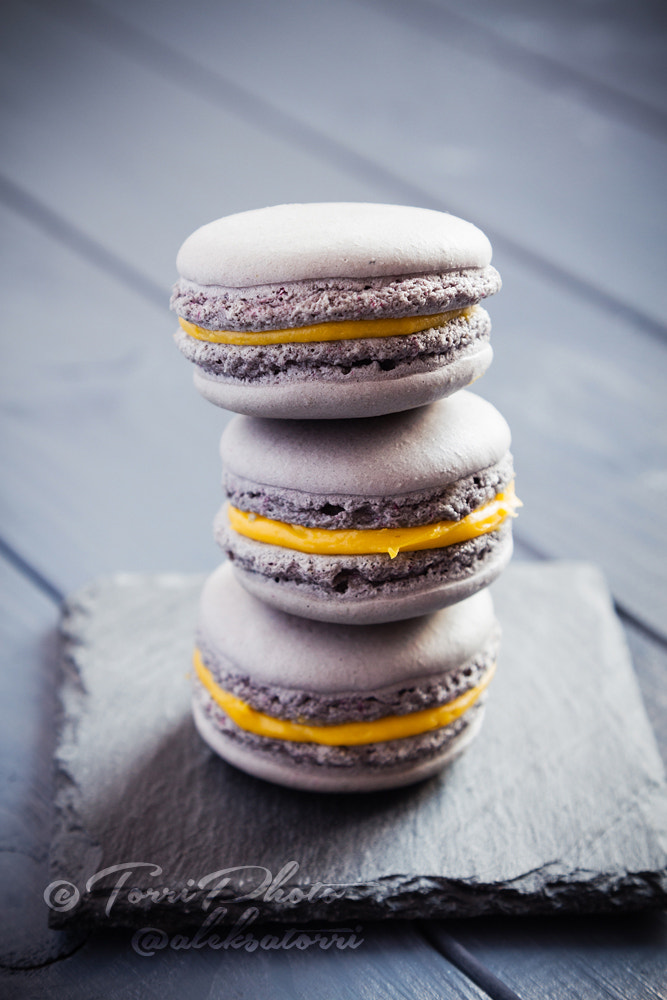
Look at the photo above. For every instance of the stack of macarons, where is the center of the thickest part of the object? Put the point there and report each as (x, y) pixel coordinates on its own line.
(347, 642)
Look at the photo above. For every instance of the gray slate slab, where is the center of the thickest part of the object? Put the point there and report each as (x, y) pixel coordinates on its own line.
(560, 805)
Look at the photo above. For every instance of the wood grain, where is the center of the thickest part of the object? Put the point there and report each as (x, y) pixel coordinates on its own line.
(621, 958)
(457, 132)
(597, 50)
(394, 961)
(542, 122)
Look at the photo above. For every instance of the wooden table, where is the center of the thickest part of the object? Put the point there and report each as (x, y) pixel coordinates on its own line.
(128, 123)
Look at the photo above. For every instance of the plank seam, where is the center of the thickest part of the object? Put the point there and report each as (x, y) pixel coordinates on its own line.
(20, 564)
(20, 201)
(215, 88)
(510, 54)
(465, 961)
(631, 620)
(44, 218)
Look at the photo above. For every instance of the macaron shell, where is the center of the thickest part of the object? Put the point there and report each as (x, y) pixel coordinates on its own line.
(328, 240)
(396, 453)
(298, 653)
(305, 398)
(392, 603)
(331, 779)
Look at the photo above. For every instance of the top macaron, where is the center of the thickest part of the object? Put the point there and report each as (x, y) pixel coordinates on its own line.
(333, 310)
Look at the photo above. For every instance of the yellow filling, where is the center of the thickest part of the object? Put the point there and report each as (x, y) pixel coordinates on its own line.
(392, 727)
(364, 541)
(344, 330)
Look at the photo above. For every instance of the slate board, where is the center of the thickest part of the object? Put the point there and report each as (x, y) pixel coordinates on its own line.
(560, 805)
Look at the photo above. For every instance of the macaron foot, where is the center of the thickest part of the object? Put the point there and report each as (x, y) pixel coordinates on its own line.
(320, 778)
(305, 397)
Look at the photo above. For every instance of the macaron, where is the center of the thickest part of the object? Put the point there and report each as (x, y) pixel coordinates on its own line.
(369, 520)
(335, 708)
(332, 310)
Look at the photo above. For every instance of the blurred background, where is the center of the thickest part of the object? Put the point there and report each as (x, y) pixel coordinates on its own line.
(128, 123)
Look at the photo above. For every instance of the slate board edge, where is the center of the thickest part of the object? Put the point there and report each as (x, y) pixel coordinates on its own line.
(398, 897)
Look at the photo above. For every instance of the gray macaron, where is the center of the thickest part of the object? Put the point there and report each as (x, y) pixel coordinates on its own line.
(375, 520)
(386, 296)
(334, 708)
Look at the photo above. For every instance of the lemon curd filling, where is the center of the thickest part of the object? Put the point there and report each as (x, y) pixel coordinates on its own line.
(341, 330)
(366, 541)
(392, 727)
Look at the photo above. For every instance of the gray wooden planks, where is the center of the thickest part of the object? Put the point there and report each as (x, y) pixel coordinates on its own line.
(623, 958)
(102, 419)
(587, 411)
(131, 158)
(28, 624)
(101, 467)
(113, 145)
(529, 164)
(394, 961)
(650, 662)
(605, 51)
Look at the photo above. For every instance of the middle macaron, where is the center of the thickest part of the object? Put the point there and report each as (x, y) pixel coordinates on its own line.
(369, 520)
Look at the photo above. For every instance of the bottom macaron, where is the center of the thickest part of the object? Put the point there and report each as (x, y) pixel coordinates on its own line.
(320, 777)
(325, 707)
